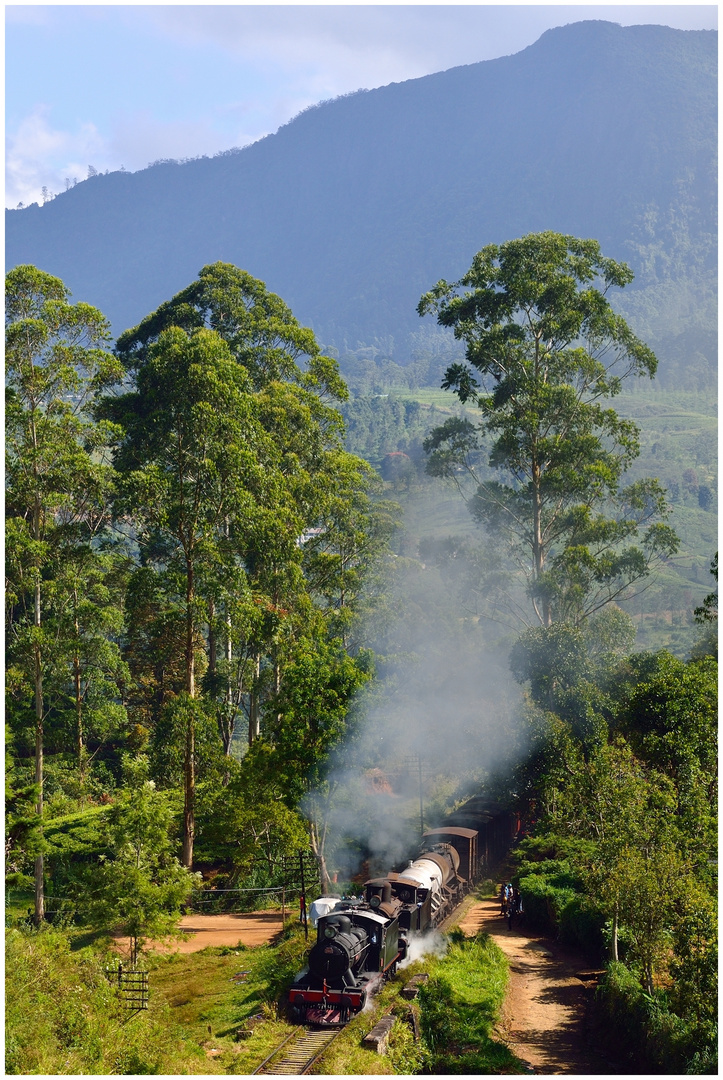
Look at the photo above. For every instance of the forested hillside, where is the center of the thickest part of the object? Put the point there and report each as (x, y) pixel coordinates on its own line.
(357, 206)
(286, 588)
(225, 646)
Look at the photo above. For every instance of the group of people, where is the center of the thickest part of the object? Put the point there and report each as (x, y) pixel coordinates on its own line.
(511, 902)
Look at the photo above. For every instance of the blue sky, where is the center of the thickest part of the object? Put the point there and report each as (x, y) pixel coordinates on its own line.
(121, 86)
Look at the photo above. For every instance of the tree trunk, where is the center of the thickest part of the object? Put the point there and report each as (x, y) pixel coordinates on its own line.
(39, 734)
(189, 816)
(211, 638)
(190, 628)
(254, 715)
(614, 942)
(317, 846)
(231, 705)
(538, 548)
(39, 868)
(78, 702)
(189, 808)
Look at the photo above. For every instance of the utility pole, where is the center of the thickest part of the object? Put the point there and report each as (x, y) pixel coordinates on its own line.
(421, 798)
(303, 896)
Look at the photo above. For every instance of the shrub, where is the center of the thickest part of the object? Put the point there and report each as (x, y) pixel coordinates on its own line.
(543, 901)
(581, 925)
(459, 1007)
(644, 1033)
(63, 1016)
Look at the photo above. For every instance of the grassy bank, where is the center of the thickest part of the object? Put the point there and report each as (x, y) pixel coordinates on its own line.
(63, 1016)
(460, 1006)
(215, 1012)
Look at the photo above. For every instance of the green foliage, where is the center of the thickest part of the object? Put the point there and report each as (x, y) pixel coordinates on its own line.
(260, 329)
(63, 1016)
(707, 616)
(549, 875)
(58, 487)
(695, 967)
(308, 720)
(644, 1033)
(548, 347)
(257, 531)
(23, 832)
(708, 611)
(625, 836)
(246, 825)
(78, 836)
(139, 890)
(671, 721)
(407, 1055)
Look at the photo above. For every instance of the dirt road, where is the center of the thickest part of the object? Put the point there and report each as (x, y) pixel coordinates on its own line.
(543, 1015)
(253, 928)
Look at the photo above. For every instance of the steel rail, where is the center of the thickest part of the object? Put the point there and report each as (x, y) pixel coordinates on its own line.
(305, 1051)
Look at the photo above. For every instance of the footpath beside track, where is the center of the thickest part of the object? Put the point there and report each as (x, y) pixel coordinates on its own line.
(543, 1018)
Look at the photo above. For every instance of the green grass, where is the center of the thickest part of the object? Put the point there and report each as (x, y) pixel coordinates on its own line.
(460, 1006)
(202, 993)
(63, 1016)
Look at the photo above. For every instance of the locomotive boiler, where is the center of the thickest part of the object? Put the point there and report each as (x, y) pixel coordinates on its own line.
(360, 943)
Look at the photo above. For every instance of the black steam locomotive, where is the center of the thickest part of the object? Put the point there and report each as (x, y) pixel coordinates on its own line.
(361, 942)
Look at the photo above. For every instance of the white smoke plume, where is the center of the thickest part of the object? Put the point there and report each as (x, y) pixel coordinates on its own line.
(433, 944)
(446, 701)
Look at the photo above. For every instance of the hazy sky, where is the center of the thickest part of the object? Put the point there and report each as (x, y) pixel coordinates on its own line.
(124, 85)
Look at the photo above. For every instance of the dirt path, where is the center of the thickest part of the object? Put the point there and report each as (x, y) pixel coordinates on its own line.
(543, 1014)
(253, 928)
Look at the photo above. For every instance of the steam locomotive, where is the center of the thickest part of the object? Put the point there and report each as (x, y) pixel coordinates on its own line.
(361, 942)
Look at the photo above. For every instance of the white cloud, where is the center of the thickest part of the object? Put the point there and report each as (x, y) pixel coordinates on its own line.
(332, 49)
(40, 156)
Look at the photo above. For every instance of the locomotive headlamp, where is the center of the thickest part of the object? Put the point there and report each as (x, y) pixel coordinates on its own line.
(375, 901)
(329, 931)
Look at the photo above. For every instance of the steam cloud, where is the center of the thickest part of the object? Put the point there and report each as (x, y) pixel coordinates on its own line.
(448, 699)
(432, 944)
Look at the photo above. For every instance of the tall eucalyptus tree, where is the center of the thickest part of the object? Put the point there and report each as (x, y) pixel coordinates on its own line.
(544, 350)
(200, 479)
(57, 482)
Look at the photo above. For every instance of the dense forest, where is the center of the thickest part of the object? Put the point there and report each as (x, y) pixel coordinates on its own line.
(234, 604)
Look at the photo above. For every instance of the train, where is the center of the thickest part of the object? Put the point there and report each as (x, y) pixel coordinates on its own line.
(360, 942)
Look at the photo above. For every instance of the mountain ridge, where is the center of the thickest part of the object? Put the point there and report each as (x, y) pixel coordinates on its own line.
(357, 205)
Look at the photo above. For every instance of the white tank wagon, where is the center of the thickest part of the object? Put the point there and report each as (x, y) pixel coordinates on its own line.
(429, 887)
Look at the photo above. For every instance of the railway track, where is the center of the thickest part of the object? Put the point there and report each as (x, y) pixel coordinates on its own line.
(300, 1050)
(297, 1053)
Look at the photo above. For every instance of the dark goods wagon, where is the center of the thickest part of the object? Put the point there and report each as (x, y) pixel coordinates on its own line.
(496, 828)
